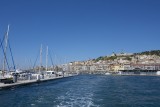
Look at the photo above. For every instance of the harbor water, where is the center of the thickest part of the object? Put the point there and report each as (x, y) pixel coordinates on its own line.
(86, 91)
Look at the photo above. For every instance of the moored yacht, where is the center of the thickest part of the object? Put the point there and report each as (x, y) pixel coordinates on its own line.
(107, 73)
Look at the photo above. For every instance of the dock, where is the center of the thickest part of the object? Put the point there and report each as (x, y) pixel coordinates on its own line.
(27, 82)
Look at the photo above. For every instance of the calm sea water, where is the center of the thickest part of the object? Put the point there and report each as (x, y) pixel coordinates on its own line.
(86, 91)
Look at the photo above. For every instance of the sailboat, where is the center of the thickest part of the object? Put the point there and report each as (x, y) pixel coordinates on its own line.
(6, 74)
(49, 72)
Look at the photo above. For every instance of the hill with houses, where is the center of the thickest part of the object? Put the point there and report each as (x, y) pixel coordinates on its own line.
(119, 61)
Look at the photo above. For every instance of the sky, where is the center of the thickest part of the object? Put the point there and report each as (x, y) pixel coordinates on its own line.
(76, 30)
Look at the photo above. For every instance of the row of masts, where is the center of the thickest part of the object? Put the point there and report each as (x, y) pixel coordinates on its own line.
(4, 48)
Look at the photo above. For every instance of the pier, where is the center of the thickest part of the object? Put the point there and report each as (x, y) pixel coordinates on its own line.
(27, 82)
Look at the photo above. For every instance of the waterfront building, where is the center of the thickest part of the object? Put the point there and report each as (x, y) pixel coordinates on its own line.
(125, 66)
(116, 67)
(85, 68)
(93, 68)
(146, 66)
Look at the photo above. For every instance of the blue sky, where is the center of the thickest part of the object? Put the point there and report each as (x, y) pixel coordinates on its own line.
(79, 29)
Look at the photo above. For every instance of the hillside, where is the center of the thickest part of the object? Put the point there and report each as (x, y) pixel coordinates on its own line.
(128, 57)
(152, 52)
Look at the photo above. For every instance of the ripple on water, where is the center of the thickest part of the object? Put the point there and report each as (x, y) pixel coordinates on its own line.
(32, 104)
(76, 98)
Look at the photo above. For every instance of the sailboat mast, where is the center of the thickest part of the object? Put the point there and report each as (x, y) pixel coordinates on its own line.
(5, 48)
(40, 59)
(47, 58)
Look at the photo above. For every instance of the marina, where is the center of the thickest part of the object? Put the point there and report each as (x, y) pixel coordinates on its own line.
(80, 53)
(15, 77)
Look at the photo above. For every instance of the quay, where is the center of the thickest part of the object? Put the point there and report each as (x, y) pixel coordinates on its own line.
(140, 72)
(27, 82)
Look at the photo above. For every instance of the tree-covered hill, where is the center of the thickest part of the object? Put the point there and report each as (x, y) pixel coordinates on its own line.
(152, 52)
